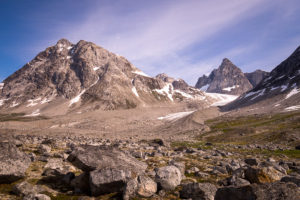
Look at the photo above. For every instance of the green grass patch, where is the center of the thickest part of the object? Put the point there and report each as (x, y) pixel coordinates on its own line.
(270, 153)
(7, 188)
(288, 153)
(184, 144)
(60, 196)
(256, 128)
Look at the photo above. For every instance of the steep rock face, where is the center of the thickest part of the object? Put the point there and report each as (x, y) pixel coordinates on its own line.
(281, 86)
(227, 79)
(180, 84)
(203, 82)
(66, 70)
(256, 77)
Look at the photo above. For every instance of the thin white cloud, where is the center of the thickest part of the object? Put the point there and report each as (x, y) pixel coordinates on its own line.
(155, 33)
(154, 37)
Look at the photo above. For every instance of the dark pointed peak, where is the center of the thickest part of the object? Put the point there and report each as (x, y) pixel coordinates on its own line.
(226, 60)
(228, 65)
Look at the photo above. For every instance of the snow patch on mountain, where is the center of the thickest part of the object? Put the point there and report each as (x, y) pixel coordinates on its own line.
(292, 108)
(14, 104)
(221, 99)
(292, 92)
(184, 94)
(34, 113)
(2, 101)
(173, 116)
(283, 87)
(255, 94)
(96, 68)
(33, 102)
(78, 97)
(45, 100)
(166, 90)
(61, 47)
(135, 92)
(140, 73)
(230, 88)
(261, 92)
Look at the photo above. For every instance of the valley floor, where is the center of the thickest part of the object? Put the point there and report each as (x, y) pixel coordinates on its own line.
(219, 155)
(135, 124)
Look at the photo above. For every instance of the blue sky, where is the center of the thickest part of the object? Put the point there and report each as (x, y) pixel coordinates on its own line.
(183, 38)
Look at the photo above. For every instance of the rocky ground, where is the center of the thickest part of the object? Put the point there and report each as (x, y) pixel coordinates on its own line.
(36, 167)
(234, 157)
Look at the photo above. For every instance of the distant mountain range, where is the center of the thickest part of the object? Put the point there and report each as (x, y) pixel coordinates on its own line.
(67, 77)
(229, 79)
(80, 77)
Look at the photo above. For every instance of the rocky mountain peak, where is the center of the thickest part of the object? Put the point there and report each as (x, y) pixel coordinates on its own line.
(279, 89)
(84, 74)
(226, 62)
(228, 67)
(66, 70)
(227, 79)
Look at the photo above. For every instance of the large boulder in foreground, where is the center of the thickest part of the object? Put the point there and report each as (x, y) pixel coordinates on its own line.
(168, 178)
(267, 191)
(140, 187)
(194, 191)
(104, 181)
(89, 158)
(13, 163)
(263, 175)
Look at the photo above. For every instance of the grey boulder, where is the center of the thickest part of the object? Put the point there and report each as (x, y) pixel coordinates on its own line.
(142, 186)
(89, 158)
(13, 163)
(37, 197)
(24, 189)
(146, 186)
(168, 178)
(293, 179)
(109, 180)
(195, 191)
(267, 191)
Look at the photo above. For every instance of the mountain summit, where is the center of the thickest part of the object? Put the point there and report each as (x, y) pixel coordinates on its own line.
(227, 79)
(67, 76)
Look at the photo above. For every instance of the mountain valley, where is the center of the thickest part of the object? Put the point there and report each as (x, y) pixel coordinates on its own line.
(80, 122)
